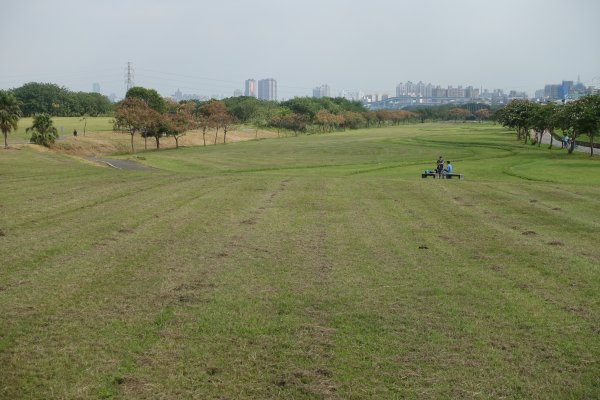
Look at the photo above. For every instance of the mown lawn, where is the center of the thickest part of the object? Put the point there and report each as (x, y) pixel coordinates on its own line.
(304, 267)
(65, 127)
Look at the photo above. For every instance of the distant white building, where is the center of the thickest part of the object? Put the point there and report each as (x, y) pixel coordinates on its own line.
(267, 89)
(322, 91)
(250, 88)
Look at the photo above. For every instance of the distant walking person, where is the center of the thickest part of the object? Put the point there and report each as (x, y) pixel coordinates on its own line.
(75, 132)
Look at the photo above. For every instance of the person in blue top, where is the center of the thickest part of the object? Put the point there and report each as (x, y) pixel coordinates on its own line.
(448, 169)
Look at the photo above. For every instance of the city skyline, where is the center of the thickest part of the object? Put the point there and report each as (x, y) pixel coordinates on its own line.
(212, 48)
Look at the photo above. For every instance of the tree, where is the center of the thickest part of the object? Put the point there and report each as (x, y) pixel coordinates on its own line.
(325, 119)
(425, 113)
(227, 123)
(202, 123)
(215, 113)
(483, 113)
(131, 114)
(43, 132)
(583, 117)
(369, 116)
(10, 113)
(150, 96)
(155, 125)
(517, 115)
(39, 98)
(458, 113)
(180, 122)
(294, 122)
(544, 118)
(352, 119)
(42, 98)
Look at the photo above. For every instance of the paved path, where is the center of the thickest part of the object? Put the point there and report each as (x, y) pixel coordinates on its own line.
(122, 164)
(557, 143)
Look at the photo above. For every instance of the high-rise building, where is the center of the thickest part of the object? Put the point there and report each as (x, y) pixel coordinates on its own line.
(401, 90)
(553, 92)
(567, 88)
(322, 91)
(96, 87)
(429, 90)
(420, 89)
(471, 92)
(237, 93)
(250, 88)
(267, 89)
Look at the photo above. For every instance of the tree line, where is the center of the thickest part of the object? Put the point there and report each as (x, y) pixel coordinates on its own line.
(48, 98)
(575, 118)
(452, 112)
(145, 112)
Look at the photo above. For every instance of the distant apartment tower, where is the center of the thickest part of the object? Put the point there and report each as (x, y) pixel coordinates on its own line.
(96, 87)
(455, 92)
(322, 91)
(413, 89)
(237, 93)
(471, 92)
(250, 88)
(267, 89)
(567, 88)
(553, 92)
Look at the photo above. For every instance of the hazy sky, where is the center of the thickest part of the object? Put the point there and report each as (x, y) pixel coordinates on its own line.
(211, 47)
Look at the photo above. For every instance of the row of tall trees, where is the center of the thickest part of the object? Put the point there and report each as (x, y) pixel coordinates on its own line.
(452, 112)
(303, 114)
(51, 99)
(145, 112)
(575, 119)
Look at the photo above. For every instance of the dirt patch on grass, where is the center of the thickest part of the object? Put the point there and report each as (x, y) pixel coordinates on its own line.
(556, 243)
(497, 268)
(529, 233)
(315, 383)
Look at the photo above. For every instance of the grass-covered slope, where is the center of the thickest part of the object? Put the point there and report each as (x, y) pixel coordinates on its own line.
(304, 267)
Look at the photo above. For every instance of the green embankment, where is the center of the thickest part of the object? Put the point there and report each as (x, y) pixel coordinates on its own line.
(304, 267)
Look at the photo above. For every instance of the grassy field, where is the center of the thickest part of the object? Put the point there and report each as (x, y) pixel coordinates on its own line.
(304, 267)
(65, 127)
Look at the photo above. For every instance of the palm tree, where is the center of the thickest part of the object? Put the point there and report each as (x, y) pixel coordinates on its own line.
(42, 130)
(10, 112)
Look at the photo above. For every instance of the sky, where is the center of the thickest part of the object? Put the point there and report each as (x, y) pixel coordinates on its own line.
(211, 47)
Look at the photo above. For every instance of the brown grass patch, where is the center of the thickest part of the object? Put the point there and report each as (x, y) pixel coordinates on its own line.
(102, 143)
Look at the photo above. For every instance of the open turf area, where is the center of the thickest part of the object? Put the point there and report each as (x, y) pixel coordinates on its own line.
(304, 267)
